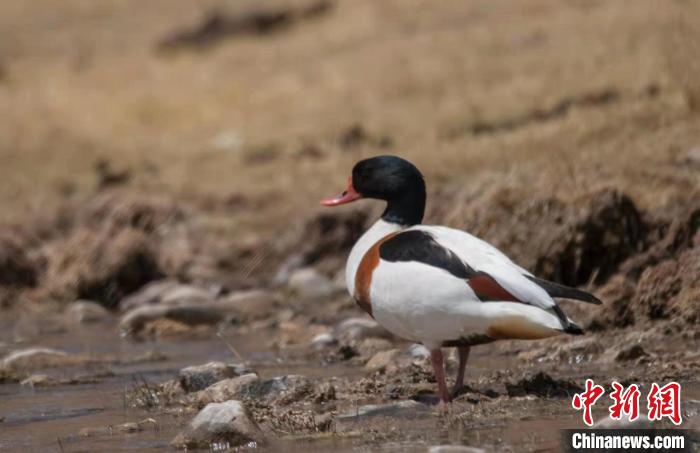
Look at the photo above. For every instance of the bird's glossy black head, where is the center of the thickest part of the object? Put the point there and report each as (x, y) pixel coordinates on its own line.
(392, 179)
(386, 177)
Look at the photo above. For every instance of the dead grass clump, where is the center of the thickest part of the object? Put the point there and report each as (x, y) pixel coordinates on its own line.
(663, 282)
(116, 210)
(100, 266)
(218, 25)
(17, 267)
(110, 246)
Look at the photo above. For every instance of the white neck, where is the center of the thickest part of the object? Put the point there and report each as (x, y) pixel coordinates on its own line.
(380, 229)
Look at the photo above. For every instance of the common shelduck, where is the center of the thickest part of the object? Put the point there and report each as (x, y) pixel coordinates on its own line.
(439, 286)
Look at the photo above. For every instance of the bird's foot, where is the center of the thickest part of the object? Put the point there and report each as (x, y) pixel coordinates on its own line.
(445, 408)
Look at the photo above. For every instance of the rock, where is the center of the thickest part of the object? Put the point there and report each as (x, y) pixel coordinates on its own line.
(382, 360)
(370, 346)
(454, 449)
(250, 304)
(37, 380)
(199, 377)
(356, 329)
(418, 351)
(224, 425)
(186, 294)
(295, 333)
(631, 353)
(192, 311)
(150, 294)
(306, 282)
(225, 390)
(33, 358)
(285, 270)
(85, 311)
(323, 340)
(401, 409)
(279, 390)
(133, 322)
(128, 427)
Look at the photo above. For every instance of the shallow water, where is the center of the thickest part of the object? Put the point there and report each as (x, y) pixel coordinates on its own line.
(51, 418)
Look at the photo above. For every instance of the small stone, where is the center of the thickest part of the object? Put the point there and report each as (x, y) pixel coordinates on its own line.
(418, 351)
(280, 390)
(176, 318)
(225, 390)
(186, 294)
(323, 340)
(199, 377)
(250, 304)
(370, 346)
(307, 282)
(220, 426)
(85, 311)
(128, 427)
(37, 380)
(149, 294)
(33, 358)
(381, 360)
(454, 449)
(356, 329)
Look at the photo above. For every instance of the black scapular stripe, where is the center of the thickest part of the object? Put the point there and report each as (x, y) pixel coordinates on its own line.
(420, 246)
(566, 292)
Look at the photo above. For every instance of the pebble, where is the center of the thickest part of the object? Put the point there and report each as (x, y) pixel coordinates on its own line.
(220, 426)
(355, 329)
(85, 311)
(307, 282)
(199, 377)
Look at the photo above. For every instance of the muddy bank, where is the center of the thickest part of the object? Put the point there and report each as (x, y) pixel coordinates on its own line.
(179, 343)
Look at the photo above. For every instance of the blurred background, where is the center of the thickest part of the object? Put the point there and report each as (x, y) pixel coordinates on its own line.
(189, 143)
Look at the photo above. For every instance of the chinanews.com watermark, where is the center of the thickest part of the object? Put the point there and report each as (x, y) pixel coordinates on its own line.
(661, 403)
(629, 440)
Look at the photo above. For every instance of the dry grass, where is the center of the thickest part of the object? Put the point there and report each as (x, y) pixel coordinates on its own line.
(82, 81)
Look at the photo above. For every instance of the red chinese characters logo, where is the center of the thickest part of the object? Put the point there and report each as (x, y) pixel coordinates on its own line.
(587, 399)
(626, 401)
(665, 402)
(662, 402)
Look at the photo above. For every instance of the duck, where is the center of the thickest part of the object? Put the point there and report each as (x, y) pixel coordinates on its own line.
(439, 286)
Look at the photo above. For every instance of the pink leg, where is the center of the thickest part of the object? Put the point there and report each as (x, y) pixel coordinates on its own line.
(437, 360)
(463, 357)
